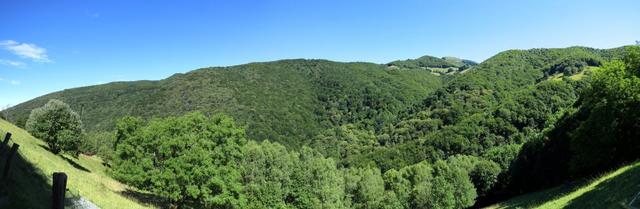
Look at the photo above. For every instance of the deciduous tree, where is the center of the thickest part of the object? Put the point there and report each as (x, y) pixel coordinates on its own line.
(58, 125)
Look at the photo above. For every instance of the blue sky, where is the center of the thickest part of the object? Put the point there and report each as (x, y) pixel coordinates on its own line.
(47, 46)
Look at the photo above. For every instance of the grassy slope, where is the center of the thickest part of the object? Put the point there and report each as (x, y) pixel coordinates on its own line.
(32, 171)
(612, 190)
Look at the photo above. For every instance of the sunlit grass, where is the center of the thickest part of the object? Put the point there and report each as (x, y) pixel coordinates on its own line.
(578, 76)
(612, 190)
(92, 184)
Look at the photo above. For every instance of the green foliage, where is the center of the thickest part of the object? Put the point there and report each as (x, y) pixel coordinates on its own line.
(572, 66)
(344, 142)
(632, 59)
(608, 136)
(379, 136)
(503, 155)
(101, 143)
(304, 96)
(597, 135)
(317, 182)
(365, 188)
(276, 178)
(440, 186)
(268, 175)
(192, 160)
(58, 125)
(502, 101)
(483, 173)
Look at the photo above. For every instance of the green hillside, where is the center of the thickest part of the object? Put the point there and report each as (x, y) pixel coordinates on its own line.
(408, 114)
(612, 190)
(482, 132)
(30, 181)
(304, 96)
(309, 96)
(502, 101)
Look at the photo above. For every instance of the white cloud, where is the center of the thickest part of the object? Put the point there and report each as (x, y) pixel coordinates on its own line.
(12, 63)
(26, 50)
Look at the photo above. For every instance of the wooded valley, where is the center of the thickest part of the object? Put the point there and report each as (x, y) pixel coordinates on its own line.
(419, 133)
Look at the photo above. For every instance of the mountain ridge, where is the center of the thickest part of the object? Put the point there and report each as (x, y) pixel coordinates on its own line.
(327, 93)
(313, 77)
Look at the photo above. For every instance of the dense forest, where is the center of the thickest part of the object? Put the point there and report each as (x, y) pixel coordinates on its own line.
(321, 134)
(304, 96)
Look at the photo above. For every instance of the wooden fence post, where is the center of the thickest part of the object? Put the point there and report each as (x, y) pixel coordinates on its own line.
(59, 188)
(5, 142)
(7, 165)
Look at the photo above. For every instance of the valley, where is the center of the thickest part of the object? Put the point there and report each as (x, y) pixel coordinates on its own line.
(369, 135)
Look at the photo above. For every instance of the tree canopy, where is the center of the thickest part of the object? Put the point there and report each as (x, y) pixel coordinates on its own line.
(192, 160)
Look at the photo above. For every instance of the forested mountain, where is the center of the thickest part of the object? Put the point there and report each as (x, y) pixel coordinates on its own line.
(322, 134)
(502, 101)
(287, 101)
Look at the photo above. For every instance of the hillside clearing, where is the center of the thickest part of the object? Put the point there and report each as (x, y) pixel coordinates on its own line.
(575, 77)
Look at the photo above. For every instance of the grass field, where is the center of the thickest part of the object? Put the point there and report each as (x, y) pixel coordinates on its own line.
(612, 190)
(30, 181)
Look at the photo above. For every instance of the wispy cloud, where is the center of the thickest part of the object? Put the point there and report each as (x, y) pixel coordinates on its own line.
(12, 63)
(92, 14)
(5, 106)
(26, 50)
(12, 82)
